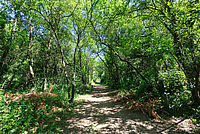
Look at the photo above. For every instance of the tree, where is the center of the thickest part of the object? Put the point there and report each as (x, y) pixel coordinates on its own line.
(180, 18)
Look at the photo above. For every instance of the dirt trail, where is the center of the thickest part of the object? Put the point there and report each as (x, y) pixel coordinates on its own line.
(100, 114)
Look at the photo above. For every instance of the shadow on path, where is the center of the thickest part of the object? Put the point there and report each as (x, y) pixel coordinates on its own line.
(100, 114)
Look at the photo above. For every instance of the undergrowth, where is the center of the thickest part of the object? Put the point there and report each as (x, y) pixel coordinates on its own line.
(147, 105)
(32, 112)
(154, 108)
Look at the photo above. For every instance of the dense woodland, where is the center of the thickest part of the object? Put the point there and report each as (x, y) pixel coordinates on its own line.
(56, 49)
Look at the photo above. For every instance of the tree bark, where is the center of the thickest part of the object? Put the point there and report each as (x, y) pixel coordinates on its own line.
(193, 81)
(82, 73)
(46, 66)
(30, 60)
(195, 90)
(74, 69)
(68, 88)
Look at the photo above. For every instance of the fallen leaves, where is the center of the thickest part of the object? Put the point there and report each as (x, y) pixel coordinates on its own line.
(147, 106)
(42, 101)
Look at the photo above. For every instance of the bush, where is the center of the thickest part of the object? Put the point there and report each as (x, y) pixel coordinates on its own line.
(175, 93)
(29, 112)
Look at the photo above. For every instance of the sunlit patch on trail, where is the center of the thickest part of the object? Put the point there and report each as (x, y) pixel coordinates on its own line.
(98, 99)
(101, 114)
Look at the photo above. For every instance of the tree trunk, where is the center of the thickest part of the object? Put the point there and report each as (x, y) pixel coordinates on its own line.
(82, 75)
(195, 90)
(68, 88)
(46, 66)
(55, 30)
(191, 69)
(74, 70)
(193, 81)
(30, 60)
(45, 84)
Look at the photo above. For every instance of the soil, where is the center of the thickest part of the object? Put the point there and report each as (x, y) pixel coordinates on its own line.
(99, 114)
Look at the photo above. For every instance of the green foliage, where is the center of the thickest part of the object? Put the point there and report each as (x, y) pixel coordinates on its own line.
(150, 48)
(33, 114)
(147, 48)
(196, 116)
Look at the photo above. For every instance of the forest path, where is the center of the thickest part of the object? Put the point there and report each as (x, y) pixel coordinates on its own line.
(100, 114)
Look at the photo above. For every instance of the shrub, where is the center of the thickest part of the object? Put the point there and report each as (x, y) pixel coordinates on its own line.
(29, 112)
